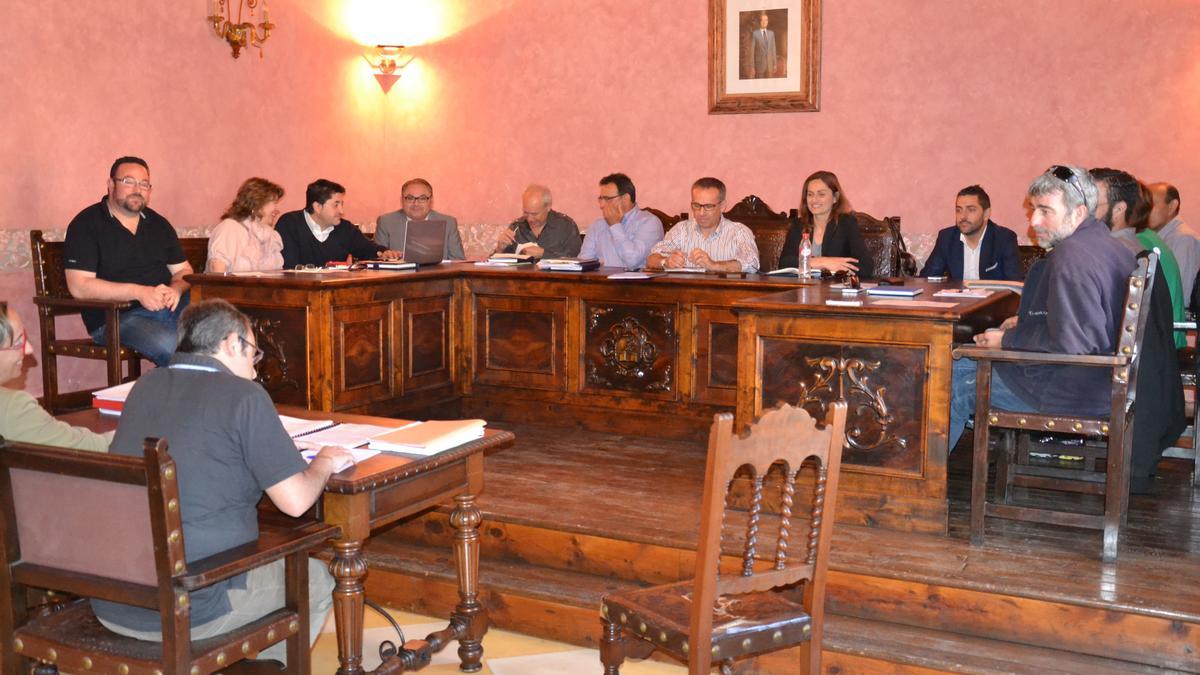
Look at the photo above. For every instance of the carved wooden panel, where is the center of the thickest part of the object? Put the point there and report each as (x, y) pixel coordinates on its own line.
(716, 356)
(426, 342)
(884, 426)
(362, 354)
(630, 348)
(283, 371)
(520, 341)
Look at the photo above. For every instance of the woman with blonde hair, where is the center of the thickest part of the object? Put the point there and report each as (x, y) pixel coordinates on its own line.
(245, 240)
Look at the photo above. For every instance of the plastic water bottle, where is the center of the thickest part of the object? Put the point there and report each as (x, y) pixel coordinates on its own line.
(805, 255)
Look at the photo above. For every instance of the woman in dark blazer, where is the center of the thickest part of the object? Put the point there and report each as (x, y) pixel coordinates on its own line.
(825, 214)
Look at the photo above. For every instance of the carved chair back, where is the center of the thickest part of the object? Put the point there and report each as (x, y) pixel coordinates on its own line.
(789, 437)
(1029, 254)
(886, 244)
(769, 228)
(667, 221)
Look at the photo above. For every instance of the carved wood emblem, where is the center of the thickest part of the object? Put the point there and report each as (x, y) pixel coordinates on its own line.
(870, 422)
(633, 347)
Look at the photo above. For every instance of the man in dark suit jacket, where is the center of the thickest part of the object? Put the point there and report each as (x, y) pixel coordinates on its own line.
(975, 248)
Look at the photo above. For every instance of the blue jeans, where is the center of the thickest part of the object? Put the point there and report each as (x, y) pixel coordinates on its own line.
(962, 396)
(152, 334)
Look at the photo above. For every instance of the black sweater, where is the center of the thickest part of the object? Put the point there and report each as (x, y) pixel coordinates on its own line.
(300, 247)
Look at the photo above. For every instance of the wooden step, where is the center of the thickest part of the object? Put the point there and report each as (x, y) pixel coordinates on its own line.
(563, 605)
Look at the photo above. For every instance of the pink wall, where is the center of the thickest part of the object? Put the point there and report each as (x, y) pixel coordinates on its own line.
(917, 100)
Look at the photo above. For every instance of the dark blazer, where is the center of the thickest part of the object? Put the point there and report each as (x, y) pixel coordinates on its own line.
(300, 247)
(998, 255)
(842, 239)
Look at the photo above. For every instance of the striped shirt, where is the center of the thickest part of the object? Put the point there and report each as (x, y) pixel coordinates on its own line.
(730, 241)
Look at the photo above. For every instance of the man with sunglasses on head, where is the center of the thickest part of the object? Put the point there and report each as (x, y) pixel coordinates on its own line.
(708, 240)
(391, 229)
(120, 249)
(1071, 304)
(229, 447)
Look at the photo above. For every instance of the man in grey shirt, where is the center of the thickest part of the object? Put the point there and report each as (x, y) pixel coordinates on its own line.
(392, 228)
(230, 447)
(541, 231)
(1183, 240)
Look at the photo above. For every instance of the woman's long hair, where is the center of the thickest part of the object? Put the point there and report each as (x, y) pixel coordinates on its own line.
(840, 205)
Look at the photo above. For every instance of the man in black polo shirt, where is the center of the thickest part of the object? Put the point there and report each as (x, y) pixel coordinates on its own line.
(317, 234)
(230, 447)
(120, 249)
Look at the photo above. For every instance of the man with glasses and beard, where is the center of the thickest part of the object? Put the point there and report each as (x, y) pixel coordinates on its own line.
(708, 240)
(1071, 304)
(120, 249)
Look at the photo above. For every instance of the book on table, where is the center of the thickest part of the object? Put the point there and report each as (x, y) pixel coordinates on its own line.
(513, 258)
(568, 264)
(111, 400)
(896, 291)
(428, 438)
(389, 265)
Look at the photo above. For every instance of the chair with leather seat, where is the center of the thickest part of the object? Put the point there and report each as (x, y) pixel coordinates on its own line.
(1015, 465)
(106, 526)
(742, 607)
(886, 245)
(53, 299)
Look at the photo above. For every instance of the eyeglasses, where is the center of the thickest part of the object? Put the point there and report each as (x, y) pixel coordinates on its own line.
(607, 198)
(307, 268)
(130, 181)
(706, 208)
(1066, 175)
(258, 353)
(417, 198)
(18, 343)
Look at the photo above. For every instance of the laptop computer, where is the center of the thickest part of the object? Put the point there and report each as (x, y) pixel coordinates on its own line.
(425, 242)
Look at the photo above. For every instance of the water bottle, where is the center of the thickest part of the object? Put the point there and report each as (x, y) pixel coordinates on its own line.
(805, 255)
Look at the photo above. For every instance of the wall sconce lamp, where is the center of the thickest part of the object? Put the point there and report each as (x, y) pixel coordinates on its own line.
(243, 33)
(387, 63)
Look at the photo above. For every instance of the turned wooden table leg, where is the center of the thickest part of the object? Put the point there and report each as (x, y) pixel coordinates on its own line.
(469, 616)
(349, 570)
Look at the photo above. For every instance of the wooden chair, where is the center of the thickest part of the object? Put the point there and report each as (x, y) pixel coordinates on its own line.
(886, 245)
(755, 606)
(769, 227)
(667, 221)
(109, 527)
(1013, 466)
(1029, 254)
(53, 300)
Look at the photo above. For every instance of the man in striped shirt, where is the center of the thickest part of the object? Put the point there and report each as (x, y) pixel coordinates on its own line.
(708, 240)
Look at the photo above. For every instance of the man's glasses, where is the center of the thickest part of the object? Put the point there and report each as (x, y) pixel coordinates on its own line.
(417, 198)
(1066, 175)
(130, 181)
(704, 208)
(607, 198)
(308, 267)
(258, 353)
(18, 343)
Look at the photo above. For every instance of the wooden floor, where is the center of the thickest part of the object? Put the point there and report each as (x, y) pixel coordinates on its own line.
(570, 515)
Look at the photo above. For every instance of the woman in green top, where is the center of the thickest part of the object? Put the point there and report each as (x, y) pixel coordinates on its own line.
(21, 418)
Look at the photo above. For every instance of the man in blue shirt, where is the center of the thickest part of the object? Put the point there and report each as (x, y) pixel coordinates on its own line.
(975, 247)
(624, 233)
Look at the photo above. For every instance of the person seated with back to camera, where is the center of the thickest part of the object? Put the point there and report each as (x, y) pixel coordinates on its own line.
(837, 243)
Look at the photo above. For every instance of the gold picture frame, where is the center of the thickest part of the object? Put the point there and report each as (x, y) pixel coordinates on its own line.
(764, 56)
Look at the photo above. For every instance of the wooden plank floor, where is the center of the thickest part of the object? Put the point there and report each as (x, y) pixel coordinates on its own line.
(648, 490)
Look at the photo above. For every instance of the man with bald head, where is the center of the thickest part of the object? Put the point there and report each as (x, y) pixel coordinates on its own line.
(1182, 238)
(541, 231)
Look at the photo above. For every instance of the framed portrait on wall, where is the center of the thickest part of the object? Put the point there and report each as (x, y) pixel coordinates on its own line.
(764, 56)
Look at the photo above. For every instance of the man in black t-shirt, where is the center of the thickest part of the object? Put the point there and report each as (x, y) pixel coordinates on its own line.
(119, 249)
(229, 447)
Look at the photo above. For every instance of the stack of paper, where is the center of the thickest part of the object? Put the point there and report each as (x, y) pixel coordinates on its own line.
(427, 438)
(297, 427)
(111, 401)
(568, 264)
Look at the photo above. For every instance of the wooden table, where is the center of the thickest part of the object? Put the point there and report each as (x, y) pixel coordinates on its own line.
(382, 490)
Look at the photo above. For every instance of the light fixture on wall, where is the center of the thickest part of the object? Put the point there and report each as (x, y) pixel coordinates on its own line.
(387, 62)
(241, 34)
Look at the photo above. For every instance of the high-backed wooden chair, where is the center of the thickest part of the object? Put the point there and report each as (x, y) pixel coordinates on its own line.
(1115, 429)
(53, 300)
(886, 244)
(753, 605)
(769, 228)
(1029, 254)
(667, 221)
(110, 527)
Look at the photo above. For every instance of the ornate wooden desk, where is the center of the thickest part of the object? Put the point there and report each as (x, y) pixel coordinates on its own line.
(656, 358)
(891, 362)
(380, 491)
